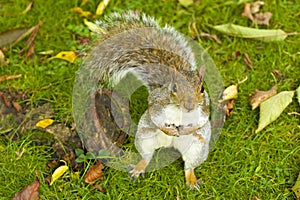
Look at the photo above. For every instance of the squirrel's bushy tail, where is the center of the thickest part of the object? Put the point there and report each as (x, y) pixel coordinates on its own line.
(131, 40)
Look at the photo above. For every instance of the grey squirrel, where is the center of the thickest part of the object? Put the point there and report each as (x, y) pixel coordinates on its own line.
(178, 110)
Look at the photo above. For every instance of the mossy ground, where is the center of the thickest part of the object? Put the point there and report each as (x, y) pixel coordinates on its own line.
(243, 164)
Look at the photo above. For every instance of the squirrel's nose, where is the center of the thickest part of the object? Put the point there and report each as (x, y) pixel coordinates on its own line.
(189, 104)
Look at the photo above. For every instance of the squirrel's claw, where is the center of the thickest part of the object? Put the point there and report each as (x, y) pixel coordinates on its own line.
(135, 173)
(194, 186)
(191, 180)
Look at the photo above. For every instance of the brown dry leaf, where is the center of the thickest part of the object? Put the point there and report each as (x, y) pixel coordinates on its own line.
(247, 12)
(213, 36)
(99, 187)
(30, 192)
(30, 5)
(255, 198)
(260, 96)
(30, 42)
(9, 77)
(83, 40)
(81, 12)
(236, 54)
(277, 72)
(248, 61)
(30, 51)
(228, 108)
(17, 106)
(262, 18)
(255, 6)
(94, 173)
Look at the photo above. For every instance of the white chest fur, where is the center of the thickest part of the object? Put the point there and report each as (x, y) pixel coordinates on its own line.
(172, 114)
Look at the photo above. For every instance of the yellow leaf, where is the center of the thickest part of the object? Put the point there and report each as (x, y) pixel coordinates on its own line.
(81, 12)
(101, 6)
(44, 123)
(230, 92)
(94, 27)
(186, 3)
(58, 173)
(69, 56)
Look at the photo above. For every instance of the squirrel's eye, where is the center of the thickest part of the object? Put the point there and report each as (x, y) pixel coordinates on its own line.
(202, 89)
(174, 88)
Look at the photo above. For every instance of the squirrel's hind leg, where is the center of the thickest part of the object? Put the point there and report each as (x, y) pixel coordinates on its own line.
(191, 179)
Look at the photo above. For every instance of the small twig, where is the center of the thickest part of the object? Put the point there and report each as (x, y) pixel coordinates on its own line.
(293, 113)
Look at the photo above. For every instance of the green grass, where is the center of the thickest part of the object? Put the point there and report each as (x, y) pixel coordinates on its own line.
(243, 164)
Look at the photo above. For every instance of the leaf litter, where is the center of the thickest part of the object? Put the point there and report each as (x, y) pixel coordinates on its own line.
(30, 192)
(261, 18)
(271, 109)
(260, 96)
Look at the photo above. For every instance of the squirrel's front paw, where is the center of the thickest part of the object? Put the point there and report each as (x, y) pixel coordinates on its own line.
(134, 173)
(170, 129)
(136, 170)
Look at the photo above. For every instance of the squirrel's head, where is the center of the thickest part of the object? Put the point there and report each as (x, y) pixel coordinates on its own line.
(187, 88)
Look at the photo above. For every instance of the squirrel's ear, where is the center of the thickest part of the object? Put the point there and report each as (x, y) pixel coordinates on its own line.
(201, 72)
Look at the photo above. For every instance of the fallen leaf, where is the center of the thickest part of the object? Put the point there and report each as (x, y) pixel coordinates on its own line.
(30, 192)
(298, 94)
(29, 6)
(44, 123)
(260, 96)
(17, 106)
(236, 54)
(101, 6)
(69, 56)
(213, 36)
(30, 51)
(83, 2)
(30, 42)
(94, 173)
(296, 187)
(271, 109)
(266, 35)
(81, 12)
(255, 6)
(12, 37)
(59, 172)
(247, 11)
(228, 108)
(9, 77)
(230, 92)
(52, 164)
(83, 40)
(94, 27)
(2, 57)
(48, 52)
(262, 18)
(99, 187)
(255, 198)
(277, 72)
(248, 61)
(186, 3)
